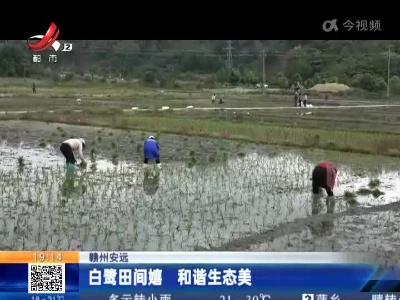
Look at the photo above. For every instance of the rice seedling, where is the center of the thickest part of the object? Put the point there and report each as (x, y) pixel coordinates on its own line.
(228, 199)
(92, 155)
(374, 183)
(350, 198)
(364, 191)
(241, 154)
(224, 156)
(376, 193)
(21, 162)
(107, 207)
(212, 158)
(114, 158)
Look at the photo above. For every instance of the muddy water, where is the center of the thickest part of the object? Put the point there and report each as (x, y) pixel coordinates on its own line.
(259, 202)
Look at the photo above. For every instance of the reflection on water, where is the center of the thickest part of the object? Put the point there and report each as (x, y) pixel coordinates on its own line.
(72, 185)
(123, 208)
(151, 181)
(322, 226)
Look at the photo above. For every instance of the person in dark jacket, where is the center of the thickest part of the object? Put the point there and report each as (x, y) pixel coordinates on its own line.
(151, 151)
(324, 177)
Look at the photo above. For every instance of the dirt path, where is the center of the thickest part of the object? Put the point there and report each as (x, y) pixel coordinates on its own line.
(227, 108)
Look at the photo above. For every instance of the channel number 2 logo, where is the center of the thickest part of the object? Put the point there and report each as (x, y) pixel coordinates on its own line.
(39, 43)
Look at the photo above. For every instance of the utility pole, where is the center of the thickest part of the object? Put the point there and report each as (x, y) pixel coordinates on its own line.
(229, 60)
(388, 75)
(263, 70)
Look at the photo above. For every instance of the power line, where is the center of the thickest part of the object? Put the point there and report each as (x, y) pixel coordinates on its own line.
(124, 51)
(229, 55)
(213, 53)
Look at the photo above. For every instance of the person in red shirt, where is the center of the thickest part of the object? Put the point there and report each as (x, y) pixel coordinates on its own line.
(324, 177)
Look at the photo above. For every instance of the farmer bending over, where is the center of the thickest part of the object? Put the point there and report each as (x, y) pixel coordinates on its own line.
(151, 151)
(324, 177)
(70, 146)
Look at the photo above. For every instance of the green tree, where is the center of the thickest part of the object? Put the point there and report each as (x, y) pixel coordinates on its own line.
(297, 78)
(251, 78)
(309, 83)
(235, 77)
(299, 63)
(222, 76)
(149, 77)
(369, 82)
(395, 85)
(12, 60)
(281, 81)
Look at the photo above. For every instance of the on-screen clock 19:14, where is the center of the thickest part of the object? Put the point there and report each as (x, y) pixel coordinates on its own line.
(42, 257)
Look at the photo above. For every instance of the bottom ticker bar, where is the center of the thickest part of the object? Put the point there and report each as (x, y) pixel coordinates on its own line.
(241, 296)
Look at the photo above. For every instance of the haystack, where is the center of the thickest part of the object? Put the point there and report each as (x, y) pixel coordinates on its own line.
(330, 88)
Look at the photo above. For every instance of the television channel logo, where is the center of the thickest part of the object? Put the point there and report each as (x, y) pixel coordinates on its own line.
(39, 43)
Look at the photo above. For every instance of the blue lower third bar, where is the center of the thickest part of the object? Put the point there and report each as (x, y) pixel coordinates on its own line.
(239, 296)
(26, 296)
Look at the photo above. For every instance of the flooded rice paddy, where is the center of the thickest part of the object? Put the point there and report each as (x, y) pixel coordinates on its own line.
(247, 197)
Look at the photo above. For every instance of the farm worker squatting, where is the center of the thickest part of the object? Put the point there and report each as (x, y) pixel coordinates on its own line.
(324, 177)
(151, 151)
(68, 147)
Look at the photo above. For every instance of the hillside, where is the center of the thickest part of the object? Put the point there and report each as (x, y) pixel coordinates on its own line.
(355, 63)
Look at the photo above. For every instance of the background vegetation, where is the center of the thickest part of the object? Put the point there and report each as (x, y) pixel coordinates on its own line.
(361, 64)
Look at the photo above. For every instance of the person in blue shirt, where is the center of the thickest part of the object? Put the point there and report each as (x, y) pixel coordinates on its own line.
(151, 151)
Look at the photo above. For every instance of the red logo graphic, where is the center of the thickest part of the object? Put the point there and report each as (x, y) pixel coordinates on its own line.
(46, 41)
